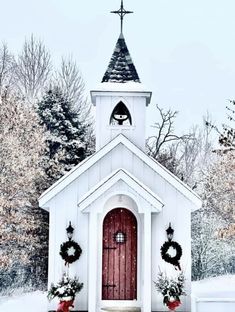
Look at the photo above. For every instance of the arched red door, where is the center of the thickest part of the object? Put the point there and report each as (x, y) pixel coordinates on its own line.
(119, 265)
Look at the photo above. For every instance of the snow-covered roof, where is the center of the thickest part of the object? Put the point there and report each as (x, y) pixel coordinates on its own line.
(121, 67)
(129, 88)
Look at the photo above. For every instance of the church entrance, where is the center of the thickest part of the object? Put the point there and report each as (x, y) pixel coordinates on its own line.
(119, 262)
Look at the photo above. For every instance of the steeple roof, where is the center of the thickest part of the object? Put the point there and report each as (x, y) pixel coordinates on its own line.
(121, 67)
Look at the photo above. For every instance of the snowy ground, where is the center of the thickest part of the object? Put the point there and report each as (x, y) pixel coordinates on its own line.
(30, 302)
(221, 286)
(216, 287)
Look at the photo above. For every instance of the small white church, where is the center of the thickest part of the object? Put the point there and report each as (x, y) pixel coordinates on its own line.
(120, 202)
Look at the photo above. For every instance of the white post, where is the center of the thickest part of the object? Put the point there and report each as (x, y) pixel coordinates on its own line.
(147, 263)
(92, 263)
(194, 304)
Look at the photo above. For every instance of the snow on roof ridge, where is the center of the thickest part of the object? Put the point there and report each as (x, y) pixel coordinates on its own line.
(119, 86)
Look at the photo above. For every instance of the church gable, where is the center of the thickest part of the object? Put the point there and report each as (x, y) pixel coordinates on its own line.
(120, 153)
(122, 180)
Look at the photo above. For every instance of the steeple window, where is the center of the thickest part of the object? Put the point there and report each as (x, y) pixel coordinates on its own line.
(120, 115)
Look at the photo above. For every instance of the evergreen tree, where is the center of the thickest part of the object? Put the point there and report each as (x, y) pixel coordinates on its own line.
(67, 134)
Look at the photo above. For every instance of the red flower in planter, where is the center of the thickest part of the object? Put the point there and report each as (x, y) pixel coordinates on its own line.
(172, 305)
(64, 306)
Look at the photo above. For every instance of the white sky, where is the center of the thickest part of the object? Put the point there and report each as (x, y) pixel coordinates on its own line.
(184, 50)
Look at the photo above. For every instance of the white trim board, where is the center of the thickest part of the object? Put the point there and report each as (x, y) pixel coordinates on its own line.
(87, 163)
(112, 179)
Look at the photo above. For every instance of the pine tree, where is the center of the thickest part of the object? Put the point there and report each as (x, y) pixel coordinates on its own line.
(66, 133)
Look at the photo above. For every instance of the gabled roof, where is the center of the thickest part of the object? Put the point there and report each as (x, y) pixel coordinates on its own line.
(130, 180)
(121, 67)
(88, 162)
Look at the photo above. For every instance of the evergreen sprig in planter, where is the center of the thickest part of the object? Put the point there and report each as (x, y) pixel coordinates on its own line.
(171, 289)
(65, 290)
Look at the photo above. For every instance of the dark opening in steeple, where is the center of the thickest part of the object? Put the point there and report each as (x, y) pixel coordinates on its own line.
(120, 115)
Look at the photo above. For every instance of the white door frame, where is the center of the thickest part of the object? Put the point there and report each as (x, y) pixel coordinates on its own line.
(119, 303)
(144, 268)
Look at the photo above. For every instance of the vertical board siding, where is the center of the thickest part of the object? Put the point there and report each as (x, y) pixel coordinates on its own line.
(119, 267)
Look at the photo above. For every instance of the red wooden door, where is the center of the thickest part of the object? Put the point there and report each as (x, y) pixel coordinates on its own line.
(119, 267)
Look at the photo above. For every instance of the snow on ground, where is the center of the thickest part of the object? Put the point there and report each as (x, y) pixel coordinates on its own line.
(30, 302)
(220, 287)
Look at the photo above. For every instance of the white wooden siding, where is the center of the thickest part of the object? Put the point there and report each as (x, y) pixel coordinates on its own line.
(63, 208)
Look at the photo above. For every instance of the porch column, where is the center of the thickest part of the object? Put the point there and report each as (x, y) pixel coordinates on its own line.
(147, 289)
(92, 263)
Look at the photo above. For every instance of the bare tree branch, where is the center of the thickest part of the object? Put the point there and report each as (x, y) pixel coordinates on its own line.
(7, 66)
(70, 80)
(164, 132)
(33, 68)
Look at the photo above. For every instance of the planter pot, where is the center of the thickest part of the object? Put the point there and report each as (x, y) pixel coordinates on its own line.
(172, 305)
(64, 306)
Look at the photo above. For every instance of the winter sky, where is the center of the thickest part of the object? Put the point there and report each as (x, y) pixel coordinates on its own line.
(184, 50)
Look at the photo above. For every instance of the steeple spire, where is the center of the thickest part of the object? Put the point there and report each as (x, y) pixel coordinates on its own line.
(121, 67)
(121, 12)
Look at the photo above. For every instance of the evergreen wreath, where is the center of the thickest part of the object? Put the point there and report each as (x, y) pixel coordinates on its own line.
(166, 257)
(70, 251)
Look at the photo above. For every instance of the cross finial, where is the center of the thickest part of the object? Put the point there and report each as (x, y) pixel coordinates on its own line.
(121, 12)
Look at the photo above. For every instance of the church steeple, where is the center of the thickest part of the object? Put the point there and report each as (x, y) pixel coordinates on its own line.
(121, 67)
(120, 98)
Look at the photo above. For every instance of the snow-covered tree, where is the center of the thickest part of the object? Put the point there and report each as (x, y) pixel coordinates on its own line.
(23, 226)
(220, 187)
(211, 255)
(213, 226)
(69, 80)
(36, 149)
(66, 133)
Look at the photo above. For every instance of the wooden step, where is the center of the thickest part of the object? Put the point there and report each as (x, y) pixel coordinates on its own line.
(121, 309)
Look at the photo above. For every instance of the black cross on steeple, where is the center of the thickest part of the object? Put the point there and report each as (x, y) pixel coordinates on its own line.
(121, 12)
